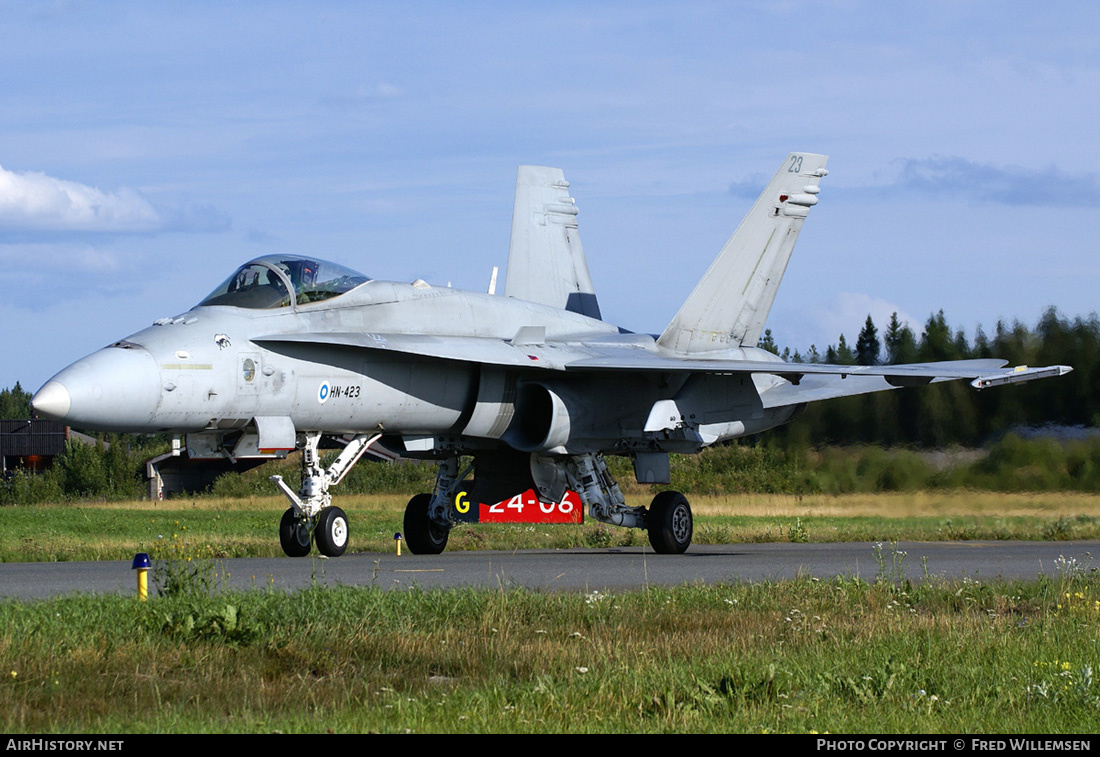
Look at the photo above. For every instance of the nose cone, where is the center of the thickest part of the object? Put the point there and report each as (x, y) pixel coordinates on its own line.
(115, 389)
(52, 401)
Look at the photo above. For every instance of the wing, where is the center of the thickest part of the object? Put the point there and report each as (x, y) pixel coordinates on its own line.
(809, 382)
(546, 262)
(794, 384)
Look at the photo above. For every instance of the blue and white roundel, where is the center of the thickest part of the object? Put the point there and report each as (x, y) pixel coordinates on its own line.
(322, 393)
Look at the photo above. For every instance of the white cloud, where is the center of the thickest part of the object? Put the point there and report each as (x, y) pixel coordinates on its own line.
(35, 201)
(388, 91)
(849, 310)
(48, 259)
(1008, 185)
(821, 324)
(380, 91)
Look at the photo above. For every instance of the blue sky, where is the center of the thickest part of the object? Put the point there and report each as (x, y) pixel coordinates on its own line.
(147, 149)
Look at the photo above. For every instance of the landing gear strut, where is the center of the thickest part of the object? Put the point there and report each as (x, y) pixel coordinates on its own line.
(311, 516)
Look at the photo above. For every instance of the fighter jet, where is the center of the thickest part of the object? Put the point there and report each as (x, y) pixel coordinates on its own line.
(295, 353)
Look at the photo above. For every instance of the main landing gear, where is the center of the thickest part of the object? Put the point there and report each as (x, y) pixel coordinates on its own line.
(423, 536)
(311, 517)
(668, 520)
(429, 517)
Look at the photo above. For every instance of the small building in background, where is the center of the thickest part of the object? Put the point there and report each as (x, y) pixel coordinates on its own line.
(175, 473)
(33, 445)
(30, 444)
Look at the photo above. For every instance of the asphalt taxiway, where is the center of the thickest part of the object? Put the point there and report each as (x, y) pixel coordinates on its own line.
(612, 569)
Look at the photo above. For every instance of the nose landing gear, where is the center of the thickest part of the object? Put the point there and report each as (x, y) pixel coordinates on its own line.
(329, 529)
(311, 517)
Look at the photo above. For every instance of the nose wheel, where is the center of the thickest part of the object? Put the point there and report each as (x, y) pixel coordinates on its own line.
(329, 529)
(294, 534)
(331, 532)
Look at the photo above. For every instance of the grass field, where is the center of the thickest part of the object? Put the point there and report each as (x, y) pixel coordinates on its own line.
(838, 656)
(248, 527)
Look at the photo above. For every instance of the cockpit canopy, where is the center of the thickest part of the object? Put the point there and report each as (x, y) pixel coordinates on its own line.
(269, 282)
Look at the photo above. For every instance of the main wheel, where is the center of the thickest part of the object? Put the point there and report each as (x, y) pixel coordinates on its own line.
(294, 534)
(331, 532)
(670, 523)
(422, 535)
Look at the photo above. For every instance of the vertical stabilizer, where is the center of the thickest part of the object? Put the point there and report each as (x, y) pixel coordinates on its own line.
(731, 302)
(546, 262)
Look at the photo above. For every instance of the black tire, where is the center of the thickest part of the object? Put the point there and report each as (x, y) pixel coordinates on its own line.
(294, 535)
(670, 523)
(331, 533)
(422, 535)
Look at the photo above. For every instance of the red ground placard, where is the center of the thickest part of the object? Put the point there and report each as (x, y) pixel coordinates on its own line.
(526, 508)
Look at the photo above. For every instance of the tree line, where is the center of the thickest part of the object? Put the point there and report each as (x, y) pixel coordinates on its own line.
(953, 413)
(15, 404)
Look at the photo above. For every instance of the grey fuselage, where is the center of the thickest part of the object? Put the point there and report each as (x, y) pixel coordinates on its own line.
(219, 367)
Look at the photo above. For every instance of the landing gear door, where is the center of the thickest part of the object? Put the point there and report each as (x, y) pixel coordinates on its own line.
(267, 437)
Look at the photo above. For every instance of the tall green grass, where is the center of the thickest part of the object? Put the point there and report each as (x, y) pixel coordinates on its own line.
(841, 656)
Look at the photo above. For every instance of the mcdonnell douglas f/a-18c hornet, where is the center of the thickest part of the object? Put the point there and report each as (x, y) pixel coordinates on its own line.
(292, 352)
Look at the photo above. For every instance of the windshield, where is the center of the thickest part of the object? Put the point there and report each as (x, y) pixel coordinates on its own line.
(267, 282)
